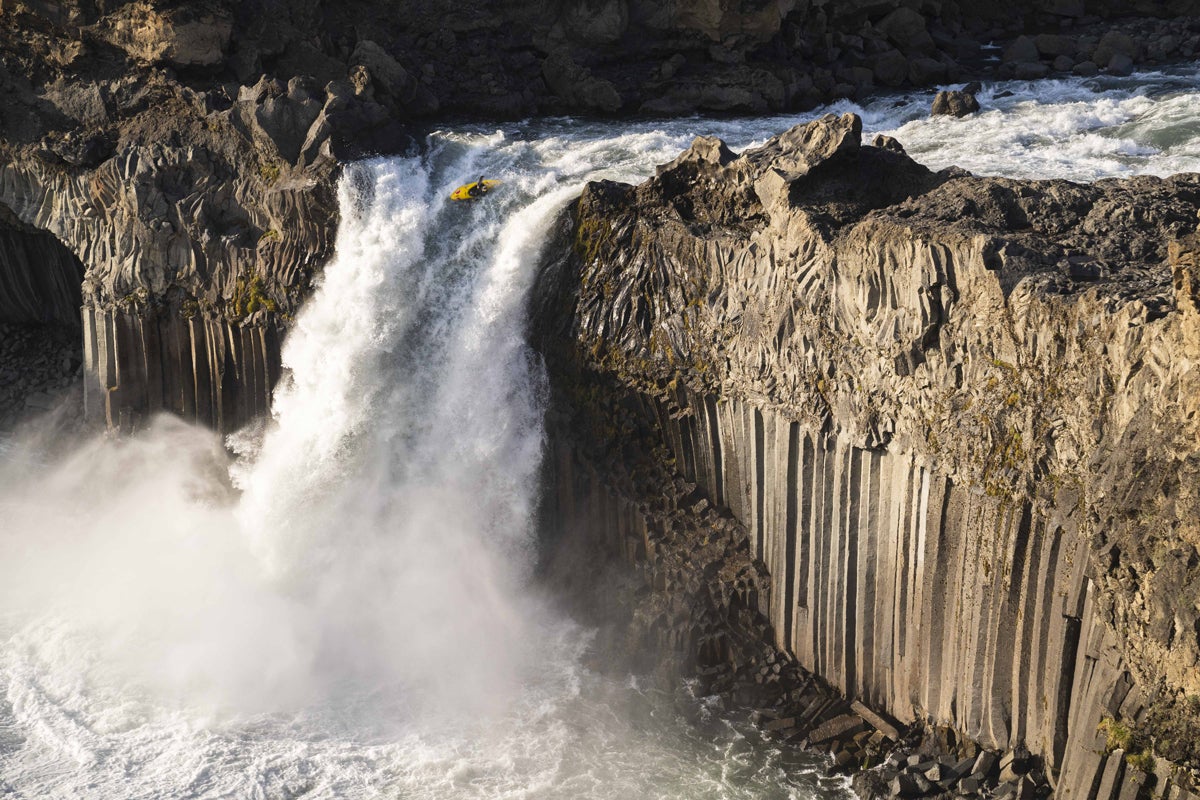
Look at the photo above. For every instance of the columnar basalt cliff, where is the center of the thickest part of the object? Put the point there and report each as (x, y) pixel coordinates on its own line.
(186, 229)
(957, 417)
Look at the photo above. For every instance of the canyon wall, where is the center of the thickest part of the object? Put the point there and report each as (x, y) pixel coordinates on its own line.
(956, 415)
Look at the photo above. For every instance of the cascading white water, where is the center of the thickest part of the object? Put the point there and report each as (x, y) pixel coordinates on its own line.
(345, 609)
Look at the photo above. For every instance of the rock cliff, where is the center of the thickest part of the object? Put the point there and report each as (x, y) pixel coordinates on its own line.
(956, 415)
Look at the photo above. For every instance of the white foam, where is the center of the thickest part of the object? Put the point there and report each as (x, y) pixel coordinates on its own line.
(1078, 129)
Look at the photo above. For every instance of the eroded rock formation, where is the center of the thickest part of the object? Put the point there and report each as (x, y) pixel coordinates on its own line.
(187, 229)
(957, 416)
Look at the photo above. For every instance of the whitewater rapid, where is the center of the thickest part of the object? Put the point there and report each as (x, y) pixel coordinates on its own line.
(339, 602)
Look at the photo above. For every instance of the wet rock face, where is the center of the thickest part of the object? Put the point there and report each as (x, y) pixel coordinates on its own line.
(956, 414)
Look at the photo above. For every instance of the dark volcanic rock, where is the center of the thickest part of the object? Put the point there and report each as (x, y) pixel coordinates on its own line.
(969, 355)
(954, 104)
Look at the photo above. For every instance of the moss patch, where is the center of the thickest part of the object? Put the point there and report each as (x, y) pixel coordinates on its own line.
(250, 295)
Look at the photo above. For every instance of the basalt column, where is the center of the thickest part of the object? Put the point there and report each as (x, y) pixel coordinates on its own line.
(957, 417)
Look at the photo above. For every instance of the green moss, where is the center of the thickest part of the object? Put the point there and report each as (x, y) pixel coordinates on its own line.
(591, 234)
(1120, 736)
(1144, 761)
(1004, 365)
(250, 296)
(269, 171)
(1117, 735)
(137, 296)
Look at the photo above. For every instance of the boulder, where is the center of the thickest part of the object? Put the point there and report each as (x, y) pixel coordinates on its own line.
(278, 116)
(704, 150)
(385, 73)
(1063, 64)
(1014, 764)
(985, 765)
(905, 28)
(1022, 50)
(924, 70)
(1052, 44)
(847, 724)
(1120, 64)
(596, 22)
(577, 87)
(1031, 71)
(891, 68)
(884, 142)
(1112, 43)
(79, 101)
(954, 104)
(906, 785)
(671, 66)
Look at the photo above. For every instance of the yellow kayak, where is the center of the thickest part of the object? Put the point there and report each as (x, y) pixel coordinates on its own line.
(464, 192)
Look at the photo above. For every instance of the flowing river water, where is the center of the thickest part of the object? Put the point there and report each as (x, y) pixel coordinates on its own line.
(339, 603)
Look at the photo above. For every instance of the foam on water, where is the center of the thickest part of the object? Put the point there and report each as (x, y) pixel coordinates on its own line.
(1078, 129)
(337, 603)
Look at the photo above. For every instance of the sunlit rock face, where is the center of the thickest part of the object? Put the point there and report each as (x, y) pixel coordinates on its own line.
(957, 415)
(187, 225)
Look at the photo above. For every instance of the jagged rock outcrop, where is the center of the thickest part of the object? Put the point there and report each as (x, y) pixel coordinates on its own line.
(957, 415)
(208, 236)
(187, 229)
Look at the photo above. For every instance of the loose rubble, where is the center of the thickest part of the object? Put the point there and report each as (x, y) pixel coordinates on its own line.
(40, 369)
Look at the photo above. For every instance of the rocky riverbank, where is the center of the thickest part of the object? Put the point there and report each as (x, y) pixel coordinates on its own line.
(922, 393)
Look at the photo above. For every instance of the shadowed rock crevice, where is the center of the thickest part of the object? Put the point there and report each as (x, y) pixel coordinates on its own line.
(40, 329)
(39, 278)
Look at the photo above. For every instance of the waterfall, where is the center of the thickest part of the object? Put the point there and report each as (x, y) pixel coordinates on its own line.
(338, 602)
